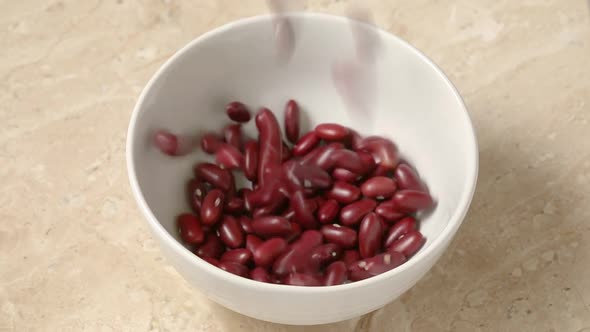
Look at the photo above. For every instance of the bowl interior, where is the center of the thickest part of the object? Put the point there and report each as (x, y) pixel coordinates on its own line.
(416, 107)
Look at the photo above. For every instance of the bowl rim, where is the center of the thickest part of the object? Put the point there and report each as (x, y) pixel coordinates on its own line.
(455, 220)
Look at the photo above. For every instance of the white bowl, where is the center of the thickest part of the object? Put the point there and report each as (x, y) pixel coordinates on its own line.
(418, 108)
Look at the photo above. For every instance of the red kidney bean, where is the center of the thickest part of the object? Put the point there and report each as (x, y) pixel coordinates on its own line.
(344, 175)
(399, 229)
(368, 161)
(213, 174)
(350, 256)
(212, 247)
(370, 235)
(211, 260)
(379, 187)
(352, 213)
(305, 144)
(266, 253)
(348, 160)
(269, 143)
(233, 135)
(285, 153)
(241, 256)
(230, 232)
(328, 211)
(375, 265)
(234, 268)
(292, 121)
(324, 255)
(332, 132)
(390, 211)
(246, 224)
(252, 242)
(383, 151)
(407, 178)
(344, 192)
(210, 142)
(196, 191)
(302, 279)
(189, 228)
(251, 160)
(269, 226)
(229, 157)
(306, 176)
(341, 235)
(322, 156)
(297, 257)
(237, 112)
(295, 232)
(171, 144)
(408, 244)
(234, 205)
(212, 207)
(336, 274)
(260, 274)
(304, 210)
(412, 200)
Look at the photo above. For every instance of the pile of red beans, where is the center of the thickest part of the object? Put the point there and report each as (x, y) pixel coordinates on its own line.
(333, 208)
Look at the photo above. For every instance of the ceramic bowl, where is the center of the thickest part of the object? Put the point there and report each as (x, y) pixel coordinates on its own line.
(416, 106)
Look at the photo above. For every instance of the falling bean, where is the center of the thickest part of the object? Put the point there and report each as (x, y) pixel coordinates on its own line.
(292, 121)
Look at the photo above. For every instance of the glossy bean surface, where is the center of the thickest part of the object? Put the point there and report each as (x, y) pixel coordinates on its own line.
(408, 244)
(251, 160)
(370, 235)
(292, 121)
(237, 112)
(390, 211)
(344, 192)
(242, 256)
(412, 200)
(379, 186)
(398, 229)
(343, 236)
(336, 274)
(305, 144)
(215, 175)
(212, 207)
(327, 211)
(265, 253)
(230, 232)
(269, 142)
(189, 228)
(352, 213)
(332, 132)
(269, 226)
(407, 178)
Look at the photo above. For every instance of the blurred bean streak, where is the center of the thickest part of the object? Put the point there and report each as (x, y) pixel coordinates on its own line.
(284, 31)
(355, 75)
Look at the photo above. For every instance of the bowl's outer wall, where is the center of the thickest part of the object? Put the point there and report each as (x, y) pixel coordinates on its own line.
(416, 106)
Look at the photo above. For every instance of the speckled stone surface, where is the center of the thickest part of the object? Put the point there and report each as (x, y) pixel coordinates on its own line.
(76, 256)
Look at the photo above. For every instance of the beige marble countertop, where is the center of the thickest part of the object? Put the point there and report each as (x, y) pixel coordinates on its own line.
(76, 256)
